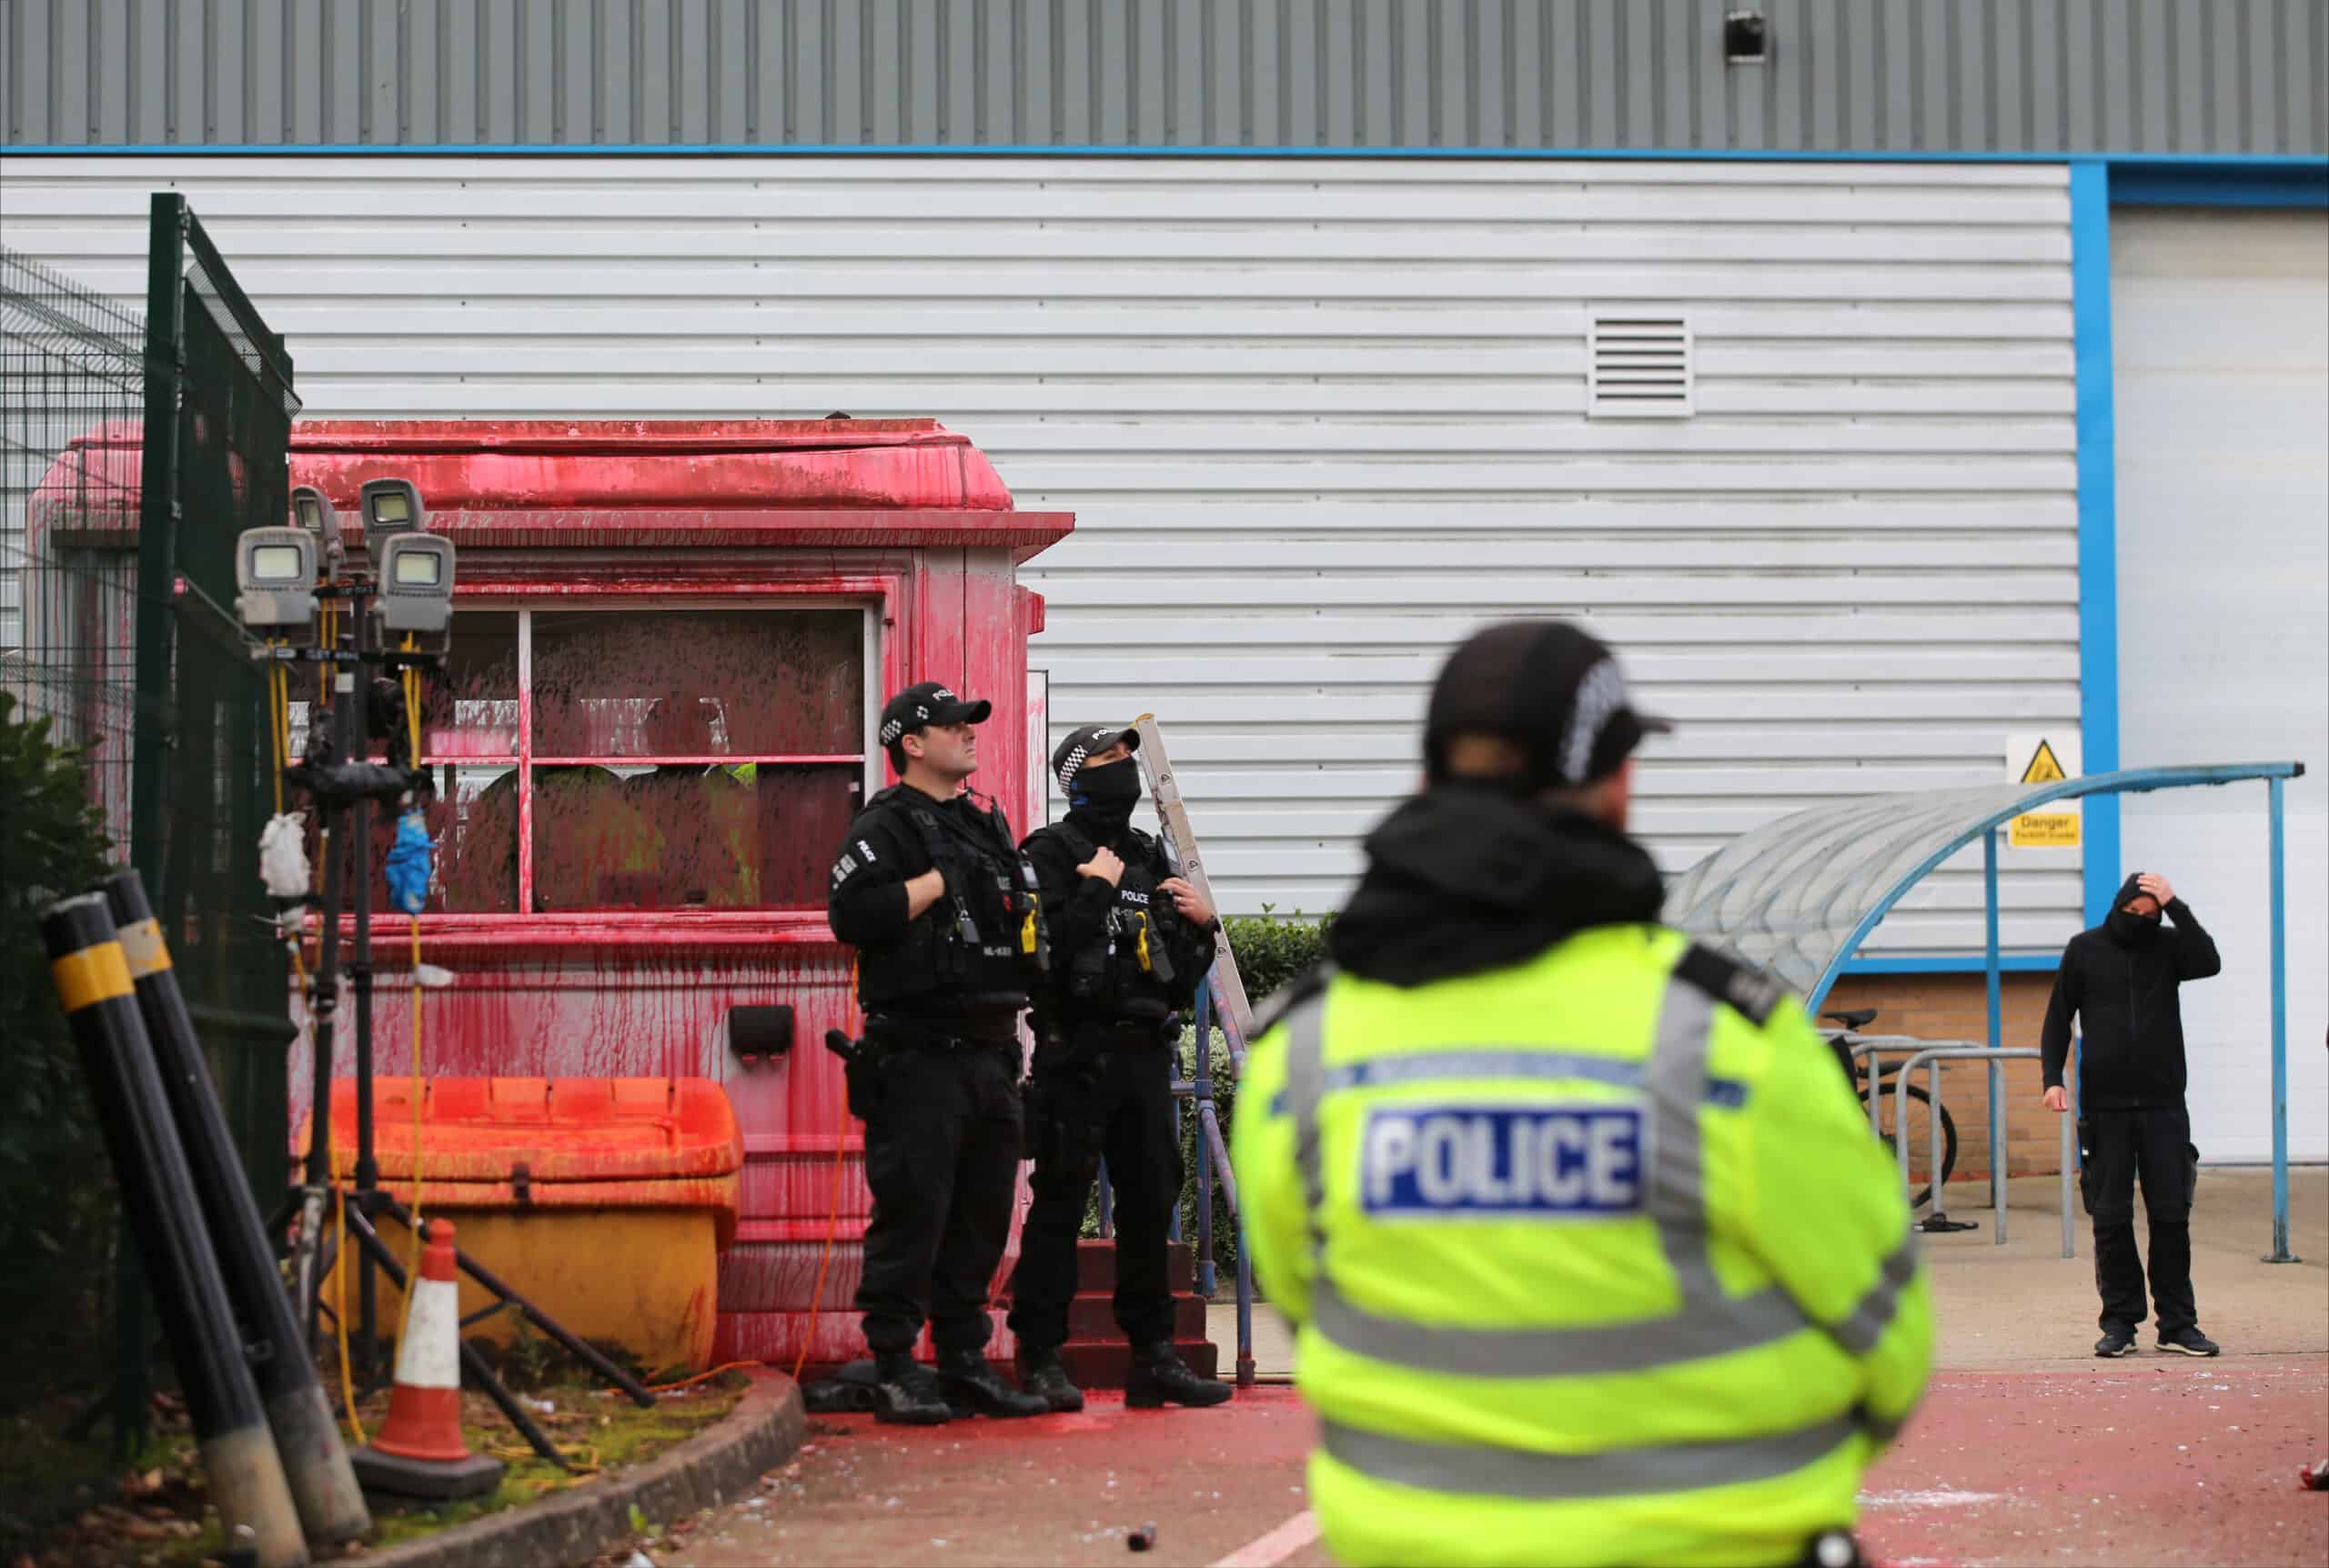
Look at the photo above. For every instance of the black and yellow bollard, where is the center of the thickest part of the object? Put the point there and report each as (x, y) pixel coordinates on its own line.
(239, 1456)
(323, 1482)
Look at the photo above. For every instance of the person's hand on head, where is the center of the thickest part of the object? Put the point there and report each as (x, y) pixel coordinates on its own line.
(2154, 884)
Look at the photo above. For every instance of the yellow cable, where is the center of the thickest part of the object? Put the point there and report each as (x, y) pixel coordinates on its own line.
(339, 1312)
(412, 1273)
(817, 1296)
(691, 1382)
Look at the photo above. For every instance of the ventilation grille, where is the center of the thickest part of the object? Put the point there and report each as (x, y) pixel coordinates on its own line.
(1641, 367)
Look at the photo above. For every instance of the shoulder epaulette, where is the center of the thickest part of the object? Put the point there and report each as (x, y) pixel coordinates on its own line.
(1752, 991)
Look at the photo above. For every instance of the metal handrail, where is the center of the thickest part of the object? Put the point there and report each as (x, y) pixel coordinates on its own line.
(1931, 1060)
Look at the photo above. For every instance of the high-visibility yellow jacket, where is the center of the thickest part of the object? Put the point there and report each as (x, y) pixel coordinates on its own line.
(1594, 1257)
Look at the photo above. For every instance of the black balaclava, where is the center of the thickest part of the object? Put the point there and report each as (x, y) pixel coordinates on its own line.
(1105, 796)
(2131, 930)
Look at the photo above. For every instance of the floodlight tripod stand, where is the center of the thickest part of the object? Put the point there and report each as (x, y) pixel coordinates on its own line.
(343, 781)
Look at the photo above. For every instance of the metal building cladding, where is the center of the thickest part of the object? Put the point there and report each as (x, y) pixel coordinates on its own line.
(644, 612)
(2002, 326)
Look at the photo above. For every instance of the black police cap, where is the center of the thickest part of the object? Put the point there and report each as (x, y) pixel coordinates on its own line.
(918, 707)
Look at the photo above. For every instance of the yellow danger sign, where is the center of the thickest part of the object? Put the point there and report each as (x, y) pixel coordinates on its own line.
(2044, 768)
(2035, 760)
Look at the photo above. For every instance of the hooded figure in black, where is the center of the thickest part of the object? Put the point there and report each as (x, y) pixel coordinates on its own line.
(1130, 940)
(2119, 981)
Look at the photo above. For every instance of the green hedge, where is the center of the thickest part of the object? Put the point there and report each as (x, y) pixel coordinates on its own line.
(56, 1193)
(1272, 951)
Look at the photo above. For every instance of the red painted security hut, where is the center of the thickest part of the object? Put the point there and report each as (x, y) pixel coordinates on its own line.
(670, 643)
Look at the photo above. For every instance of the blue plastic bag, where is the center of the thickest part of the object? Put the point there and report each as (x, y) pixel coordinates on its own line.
(407, 867)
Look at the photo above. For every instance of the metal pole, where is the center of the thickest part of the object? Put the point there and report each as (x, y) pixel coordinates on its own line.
(323, 1482)
(1932, 1132)
(2280, 961)
(355, 732)
(1997, 1031)
(318, 1177)
(239, 1454)
(1203, 1078)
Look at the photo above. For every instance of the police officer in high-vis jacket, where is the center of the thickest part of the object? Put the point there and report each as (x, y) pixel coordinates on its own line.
(1593, 1256)
(1131, 939)
(929, 887)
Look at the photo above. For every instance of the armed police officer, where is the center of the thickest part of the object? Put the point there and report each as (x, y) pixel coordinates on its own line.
(929, 888)
(1593, 1256)
(1131, 939)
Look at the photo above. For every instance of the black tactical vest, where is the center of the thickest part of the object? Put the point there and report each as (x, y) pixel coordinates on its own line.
(1124, 972)
(983, 942)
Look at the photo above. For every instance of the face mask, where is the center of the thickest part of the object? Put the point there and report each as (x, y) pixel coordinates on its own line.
(2132, 931)
(1108, 793)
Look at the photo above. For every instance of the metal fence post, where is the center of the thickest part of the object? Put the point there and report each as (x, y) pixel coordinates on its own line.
(1997, 1173)
(2276, 838)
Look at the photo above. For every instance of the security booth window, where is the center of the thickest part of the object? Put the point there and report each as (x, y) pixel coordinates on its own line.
(663, 758)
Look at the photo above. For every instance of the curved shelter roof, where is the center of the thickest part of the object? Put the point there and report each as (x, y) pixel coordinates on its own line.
(1801, 894)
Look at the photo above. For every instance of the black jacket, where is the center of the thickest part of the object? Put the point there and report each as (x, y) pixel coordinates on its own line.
(1462, 878)
(866, 903)
(2124, 995)
(1076, 907)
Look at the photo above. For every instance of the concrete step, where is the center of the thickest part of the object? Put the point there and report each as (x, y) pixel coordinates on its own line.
(1099, 1366)
(1095, 1266)
(1092, 1317)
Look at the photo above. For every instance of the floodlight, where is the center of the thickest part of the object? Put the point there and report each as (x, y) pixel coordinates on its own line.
(313, 511)
(391, 508)
(414, 597)
(274, 577)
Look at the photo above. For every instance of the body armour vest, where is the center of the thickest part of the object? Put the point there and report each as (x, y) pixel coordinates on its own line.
(983, 941)
(1124, 972)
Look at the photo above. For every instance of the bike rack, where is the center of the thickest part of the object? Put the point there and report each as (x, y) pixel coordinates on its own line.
(1869, 1045)
(1931, 1059)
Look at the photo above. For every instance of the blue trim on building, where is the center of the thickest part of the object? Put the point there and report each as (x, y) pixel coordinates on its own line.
(2228, 166)
(2098, 531)
(1948, 964)
(2305, 186)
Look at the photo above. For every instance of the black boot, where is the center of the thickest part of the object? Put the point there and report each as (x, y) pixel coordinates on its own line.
(1042, 1374)
(1159, 1376)
(972, 1387)
(905, 1394)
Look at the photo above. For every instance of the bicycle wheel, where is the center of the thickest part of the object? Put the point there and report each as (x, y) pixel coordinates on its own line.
(1918, 1198)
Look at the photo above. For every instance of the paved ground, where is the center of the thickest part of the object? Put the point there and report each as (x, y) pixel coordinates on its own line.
(2028, 1450)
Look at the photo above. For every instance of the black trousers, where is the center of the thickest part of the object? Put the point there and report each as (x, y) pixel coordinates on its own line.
(2116, 1148)
(1108, 1095)
(941, 1156)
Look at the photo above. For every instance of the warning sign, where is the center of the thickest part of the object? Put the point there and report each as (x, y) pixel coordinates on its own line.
(2036, 760)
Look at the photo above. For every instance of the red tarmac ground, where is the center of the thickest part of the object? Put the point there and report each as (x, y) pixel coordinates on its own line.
(2027, 1449)
(2144, 1461)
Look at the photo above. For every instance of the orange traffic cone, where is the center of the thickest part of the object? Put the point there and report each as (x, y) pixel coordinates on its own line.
(419, 1452)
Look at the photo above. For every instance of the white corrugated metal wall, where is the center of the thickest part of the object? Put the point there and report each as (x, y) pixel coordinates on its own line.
(2220, 331)
(1318, 419)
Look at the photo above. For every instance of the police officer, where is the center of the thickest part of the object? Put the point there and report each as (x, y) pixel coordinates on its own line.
(930, 890)
(1129, 941)
(1593, 1257)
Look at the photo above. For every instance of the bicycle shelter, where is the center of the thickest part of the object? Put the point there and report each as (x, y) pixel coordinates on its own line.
(1798, 895)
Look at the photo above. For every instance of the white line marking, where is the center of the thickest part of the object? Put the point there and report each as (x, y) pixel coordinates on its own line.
(1270, 1549)
(1941, 1497)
